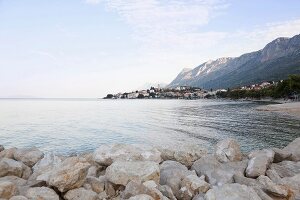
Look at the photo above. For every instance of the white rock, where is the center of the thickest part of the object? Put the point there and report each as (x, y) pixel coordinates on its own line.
(228, 150)
(10, 167)
(121, 172)
(8, 153)
(7, 190)
(231, 192)
(259, 162)
(172, 173)
(271, 187)
(43, 168)
(18, 198)
(185, 154)
(69, 174)
(107, 154)
(28, 156)
(195, 184)
(141, 197)
(81, 194)
(217, 173)
(41, 193)
(96, 184)
(294, 149)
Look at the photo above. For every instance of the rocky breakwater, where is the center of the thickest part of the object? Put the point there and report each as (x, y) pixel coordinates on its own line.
(122, 171)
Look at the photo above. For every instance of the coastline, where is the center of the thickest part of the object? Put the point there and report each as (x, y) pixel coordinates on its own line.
(290, 108)
(121, 171)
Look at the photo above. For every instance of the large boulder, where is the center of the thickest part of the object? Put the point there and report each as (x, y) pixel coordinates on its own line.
(134, 188)
(121, 172)
(41, 193)
(228, 150)
(259, 162)
(281, 155)
(14, 179)
(286, 168)
(43, 168)
(109, 153)
(272, 188)
(69, 174)
(8, 153)
(195, 184)
(81, 194)
(95, 184)
(217, 173)
(185, 154)
(172, 173)
(294, 149)
(18, 198)
(1, 148)
(28, 156)
(141, 197)
(166, 191)
(7, 190)
(232, 192)
(10, 167)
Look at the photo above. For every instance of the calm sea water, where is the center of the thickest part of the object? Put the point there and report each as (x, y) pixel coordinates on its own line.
(75, 126)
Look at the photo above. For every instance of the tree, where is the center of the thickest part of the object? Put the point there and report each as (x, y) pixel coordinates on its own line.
(109, 96)
(141, 96)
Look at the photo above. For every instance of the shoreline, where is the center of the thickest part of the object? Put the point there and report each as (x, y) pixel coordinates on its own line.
(123, 171)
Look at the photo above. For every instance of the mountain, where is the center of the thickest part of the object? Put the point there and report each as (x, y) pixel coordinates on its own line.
(275, 61)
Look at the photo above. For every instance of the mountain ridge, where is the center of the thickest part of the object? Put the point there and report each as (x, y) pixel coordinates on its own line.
(275, 61)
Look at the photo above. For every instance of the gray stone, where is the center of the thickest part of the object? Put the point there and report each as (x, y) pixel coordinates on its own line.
(281, 155)
(259, 162)
(28, 156)
(81, 194)
(228, 150)
(107, 154)
(286, 168)
(141, 197)
(195, 185)
(69, 174)
(7, 189)
(1, 148)
(166, 191)
(41, 193)
(271, 187)
(294, 149)
(172, 173)
(96, 184)
(43, 168)
(185, 154)
(8, 153)
(232, 192)
(10, 167)
(217, 173)
(18, 198)
(134, 188)
(14, 179)
(245, 181)
(121, 172)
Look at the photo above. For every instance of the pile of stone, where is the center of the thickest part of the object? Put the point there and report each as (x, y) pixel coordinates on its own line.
(122, 171)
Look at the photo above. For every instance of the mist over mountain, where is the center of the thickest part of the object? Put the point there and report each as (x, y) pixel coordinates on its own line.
(275, 61)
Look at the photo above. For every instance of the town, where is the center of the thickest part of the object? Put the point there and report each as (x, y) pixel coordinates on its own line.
(288, 88)
(180, 92)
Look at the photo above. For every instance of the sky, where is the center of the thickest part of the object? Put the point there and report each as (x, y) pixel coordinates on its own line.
(88, 48)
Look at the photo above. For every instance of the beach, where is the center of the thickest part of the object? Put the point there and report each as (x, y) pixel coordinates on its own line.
(292, 108)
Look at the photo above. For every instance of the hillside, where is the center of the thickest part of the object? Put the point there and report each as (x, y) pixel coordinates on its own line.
(275, 61)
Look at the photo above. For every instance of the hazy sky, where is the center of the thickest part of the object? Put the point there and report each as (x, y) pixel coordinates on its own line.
(88, 48)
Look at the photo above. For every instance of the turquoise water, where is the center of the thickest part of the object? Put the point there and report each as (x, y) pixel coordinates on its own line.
(69, 126)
